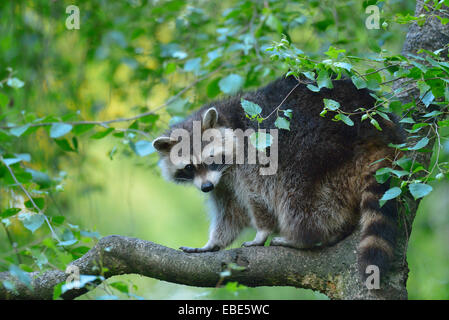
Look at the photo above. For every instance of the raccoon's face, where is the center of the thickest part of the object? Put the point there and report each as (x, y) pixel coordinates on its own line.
(203, 167)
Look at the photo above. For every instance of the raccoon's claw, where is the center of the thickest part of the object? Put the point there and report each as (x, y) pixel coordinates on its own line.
(203, 249)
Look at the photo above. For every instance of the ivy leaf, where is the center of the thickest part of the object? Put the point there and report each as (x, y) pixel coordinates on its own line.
(231, 84)
(60, 129)
(419, 190)
(282, 123)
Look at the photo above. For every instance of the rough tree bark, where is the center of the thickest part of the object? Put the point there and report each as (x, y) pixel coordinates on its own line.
(332, 270)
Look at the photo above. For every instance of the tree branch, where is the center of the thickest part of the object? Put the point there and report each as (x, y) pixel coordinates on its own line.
(332, 270)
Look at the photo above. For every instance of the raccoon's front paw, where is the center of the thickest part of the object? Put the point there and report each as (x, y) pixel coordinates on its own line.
(203, 249)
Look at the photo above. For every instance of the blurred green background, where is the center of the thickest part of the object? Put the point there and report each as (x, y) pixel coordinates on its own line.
(129, 57)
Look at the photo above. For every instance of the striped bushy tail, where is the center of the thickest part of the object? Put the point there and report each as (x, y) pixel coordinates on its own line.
(378, 228)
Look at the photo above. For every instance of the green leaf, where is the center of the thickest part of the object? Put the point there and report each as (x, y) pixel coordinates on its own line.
(57, 291)
(120, 286)
(420, 144)
(178, 106)
(274, 23)
(323, 80)
(313, 88)
(67, 243)
(40, 203)
(282, 123)
(250, 108)
(18, 131)
(331, 104)
(391, 194)
(288, 113)
(15, 83)
(193, 65)
(64, 144)
(9, 286)
(213, 89)
(382, 175)
(32, 221)
(343, 65)
(101, 134)
(334, 52)
(428, 98)
(9, 212)
(60, 129)
(309, 75)
(11, 161)
(359, 82)
(231, 84)
(143, 148)
(375, 124)
(407, 120)
(419, 190)
(81, 128)
(345, 119)
(21, 275)
(261, 140)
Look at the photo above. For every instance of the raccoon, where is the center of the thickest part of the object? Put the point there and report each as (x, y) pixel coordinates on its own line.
(324, 185)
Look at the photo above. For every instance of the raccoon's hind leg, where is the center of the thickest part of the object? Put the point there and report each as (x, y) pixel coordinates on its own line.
(259, 239)
(284, 242)
(263, 221)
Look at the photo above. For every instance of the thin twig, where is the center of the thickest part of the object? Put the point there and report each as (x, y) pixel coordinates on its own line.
(30, 197)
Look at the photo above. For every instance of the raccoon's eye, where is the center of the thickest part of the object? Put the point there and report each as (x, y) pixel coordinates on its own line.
(189, 168)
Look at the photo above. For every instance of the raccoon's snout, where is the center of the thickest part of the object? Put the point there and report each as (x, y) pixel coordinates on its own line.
(207, 186)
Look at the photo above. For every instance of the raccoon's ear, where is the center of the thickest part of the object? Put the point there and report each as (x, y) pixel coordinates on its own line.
(163, 144)
(210, 118)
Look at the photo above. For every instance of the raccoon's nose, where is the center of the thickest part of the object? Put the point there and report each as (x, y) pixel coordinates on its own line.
(207, 186)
